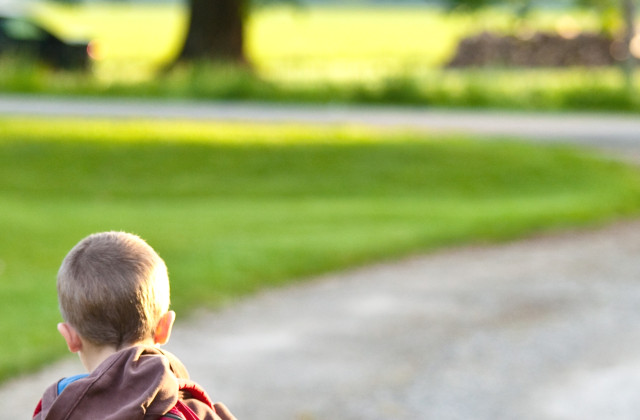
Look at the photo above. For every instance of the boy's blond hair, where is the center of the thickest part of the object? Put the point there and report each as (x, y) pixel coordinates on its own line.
(113, 288)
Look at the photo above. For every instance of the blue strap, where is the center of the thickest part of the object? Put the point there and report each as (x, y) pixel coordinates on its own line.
(66, 381)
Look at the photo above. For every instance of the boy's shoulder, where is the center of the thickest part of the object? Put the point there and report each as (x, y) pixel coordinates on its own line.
(128, 380)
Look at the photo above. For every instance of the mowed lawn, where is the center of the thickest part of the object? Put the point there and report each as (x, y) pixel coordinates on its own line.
(235, 208)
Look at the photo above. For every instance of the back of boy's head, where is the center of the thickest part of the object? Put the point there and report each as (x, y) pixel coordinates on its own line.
(113, 288)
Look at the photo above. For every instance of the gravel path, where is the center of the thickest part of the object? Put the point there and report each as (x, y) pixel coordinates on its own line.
(544, 328)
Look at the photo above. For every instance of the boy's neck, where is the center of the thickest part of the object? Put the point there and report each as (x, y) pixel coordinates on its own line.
(92, 355)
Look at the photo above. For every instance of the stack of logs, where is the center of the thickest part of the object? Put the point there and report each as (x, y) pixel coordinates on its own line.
(540, 50)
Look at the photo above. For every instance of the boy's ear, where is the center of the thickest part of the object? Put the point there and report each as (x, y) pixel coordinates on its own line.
(71, 336)
(163, 329)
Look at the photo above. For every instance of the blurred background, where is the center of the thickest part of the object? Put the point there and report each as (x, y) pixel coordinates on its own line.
(240, 206)
(450, 52)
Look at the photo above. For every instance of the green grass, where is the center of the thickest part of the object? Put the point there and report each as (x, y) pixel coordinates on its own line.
(533, 90)
(235, 208)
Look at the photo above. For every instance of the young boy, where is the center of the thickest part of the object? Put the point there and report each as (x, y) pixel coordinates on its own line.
(113, 291)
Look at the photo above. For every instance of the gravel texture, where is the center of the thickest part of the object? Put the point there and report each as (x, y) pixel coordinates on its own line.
(544, 328)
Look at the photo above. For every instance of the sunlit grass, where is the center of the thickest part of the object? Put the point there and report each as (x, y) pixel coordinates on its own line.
(183, 131)
(130, 40)
(235, 208)
(347, 43)
(136, 38)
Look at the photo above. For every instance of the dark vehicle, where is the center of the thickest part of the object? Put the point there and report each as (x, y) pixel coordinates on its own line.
(20, 36)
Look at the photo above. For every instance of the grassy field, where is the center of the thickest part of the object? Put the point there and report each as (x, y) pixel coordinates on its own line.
(235, 208)
(319, 54)
(284, 42)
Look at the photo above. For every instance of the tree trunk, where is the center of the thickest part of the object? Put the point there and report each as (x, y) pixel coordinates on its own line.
(629, 14)
(216, 31)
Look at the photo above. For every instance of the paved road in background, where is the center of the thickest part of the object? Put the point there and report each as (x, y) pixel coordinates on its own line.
(602, 130)
(546, 328)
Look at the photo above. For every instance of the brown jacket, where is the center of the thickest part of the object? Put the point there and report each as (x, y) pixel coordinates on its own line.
(135, 383)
